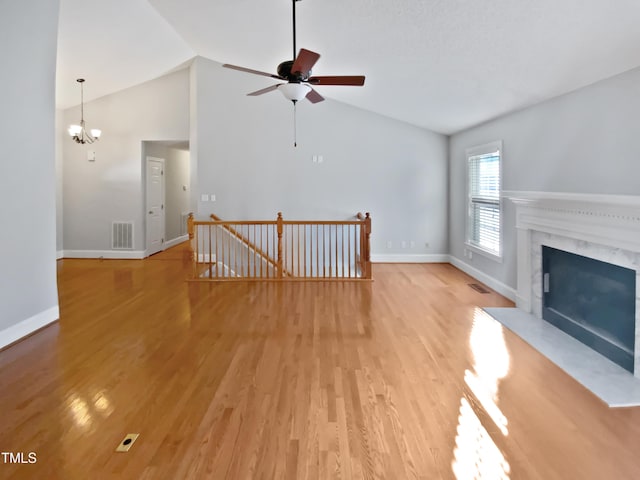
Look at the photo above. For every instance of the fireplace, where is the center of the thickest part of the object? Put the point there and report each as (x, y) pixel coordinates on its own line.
(596, 228)
(591, 300)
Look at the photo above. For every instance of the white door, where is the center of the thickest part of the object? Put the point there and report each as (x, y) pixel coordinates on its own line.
(155, 205)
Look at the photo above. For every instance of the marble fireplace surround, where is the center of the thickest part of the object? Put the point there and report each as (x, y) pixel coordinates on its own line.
(603, 227)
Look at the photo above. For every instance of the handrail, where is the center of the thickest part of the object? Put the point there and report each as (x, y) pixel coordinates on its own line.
(281, 249)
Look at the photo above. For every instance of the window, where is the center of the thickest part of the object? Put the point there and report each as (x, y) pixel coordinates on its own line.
(483, 172)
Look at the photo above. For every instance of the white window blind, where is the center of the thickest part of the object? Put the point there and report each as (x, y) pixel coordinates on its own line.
(483, 230)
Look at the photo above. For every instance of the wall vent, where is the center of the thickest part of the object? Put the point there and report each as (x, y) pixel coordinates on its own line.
(122, 235)
(184, 217)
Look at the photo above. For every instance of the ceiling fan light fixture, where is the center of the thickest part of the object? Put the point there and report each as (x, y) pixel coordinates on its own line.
(294, 91)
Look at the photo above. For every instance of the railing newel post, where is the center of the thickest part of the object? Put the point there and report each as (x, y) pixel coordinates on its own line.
(190, 229)
(280, 230)
(367, 244)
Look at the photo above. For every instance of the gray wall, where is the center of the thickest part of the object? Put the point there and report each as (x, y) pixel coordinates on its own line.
(582, 142)
(28, 30)
(242, 150)
(111, 188)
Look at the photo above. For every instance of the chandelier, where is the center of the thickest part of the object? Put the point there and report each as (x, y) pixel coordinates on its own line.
(78, 132)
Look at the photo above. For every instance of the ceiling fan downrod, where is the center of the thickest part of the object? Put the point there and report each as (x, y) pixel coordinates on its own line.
(295, 51)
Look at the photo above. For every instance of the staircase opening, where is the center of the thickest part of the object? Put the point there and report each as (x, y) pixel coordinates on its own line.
(280, 249)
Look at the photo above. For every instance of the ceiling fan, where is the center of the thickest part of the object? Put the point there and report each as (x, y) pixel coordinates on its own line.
(297, 74)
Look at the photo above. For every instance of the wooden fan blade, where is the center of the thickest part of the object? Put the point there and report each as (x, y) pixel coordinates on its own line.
(264, 90)
(353, 80)
(314, 97)
(249, 70)
(305, 60)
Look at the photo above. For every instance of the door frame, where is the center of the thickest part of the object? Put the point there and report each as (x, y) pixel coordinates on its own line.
(146, 202)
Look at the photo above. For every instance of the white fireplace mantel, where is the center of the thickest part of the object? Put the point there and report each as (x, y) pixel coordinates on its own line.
(612, 220)
(608, 220)
(604, 227)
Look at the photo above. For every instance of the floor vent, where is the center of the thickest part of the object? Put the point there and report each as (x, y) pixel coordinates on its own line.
(479, 288)
(127, 443)
(122, 235)
(183, 223)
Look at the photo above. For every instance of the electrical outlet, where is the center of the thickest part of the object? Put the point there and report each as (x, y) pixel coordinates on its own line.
(412, 244)
(403, 244)
(204, 197)
(212, 197)
(389, 244)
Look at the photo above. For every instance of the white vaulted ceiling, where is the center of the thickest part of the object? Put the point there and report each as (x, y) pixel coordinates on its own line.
(444, 65)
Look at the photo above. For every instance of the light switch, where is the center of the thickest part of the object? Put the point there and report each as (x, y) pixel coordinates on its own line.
(320, 159)
(91, 156)
(212, 197)
(204, 197)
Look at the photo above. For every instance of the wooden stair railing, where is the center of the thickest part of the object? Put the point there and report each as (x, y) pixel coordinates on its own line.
(281, 249)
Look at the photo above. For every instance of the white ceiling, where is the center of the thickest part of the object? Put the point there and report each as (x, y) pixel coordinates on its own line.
(444, 65)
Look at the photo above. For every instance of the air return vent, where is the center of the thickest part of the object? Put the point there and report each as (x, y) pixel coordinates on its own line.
(122, 235)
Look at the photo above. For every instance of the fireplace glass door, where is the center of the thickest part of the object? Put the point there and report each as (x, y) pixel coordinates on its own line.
(592, 301)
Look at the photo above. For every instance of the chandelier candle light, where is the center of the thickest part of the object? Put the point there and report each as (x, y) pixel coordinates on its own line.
(78, 132)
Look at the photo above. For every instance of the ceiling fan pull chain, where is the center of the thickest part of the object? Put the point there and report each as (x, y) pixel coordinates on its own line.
(295, 129)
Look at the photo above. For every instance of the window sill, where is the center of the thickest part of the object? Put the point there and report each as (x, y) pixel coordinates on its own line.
(484, 253)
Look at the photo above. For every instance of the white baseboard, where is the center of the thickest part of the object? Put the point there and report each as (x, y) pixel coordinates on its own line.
(30, 325)
(108, 254)
(491, 282)
(176, 241)
(409, 258)
(116, 254)
(59, 254)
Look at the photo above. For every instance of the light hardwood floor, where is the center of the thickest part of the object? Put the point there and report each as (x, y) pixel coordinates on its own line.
(401, 378)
